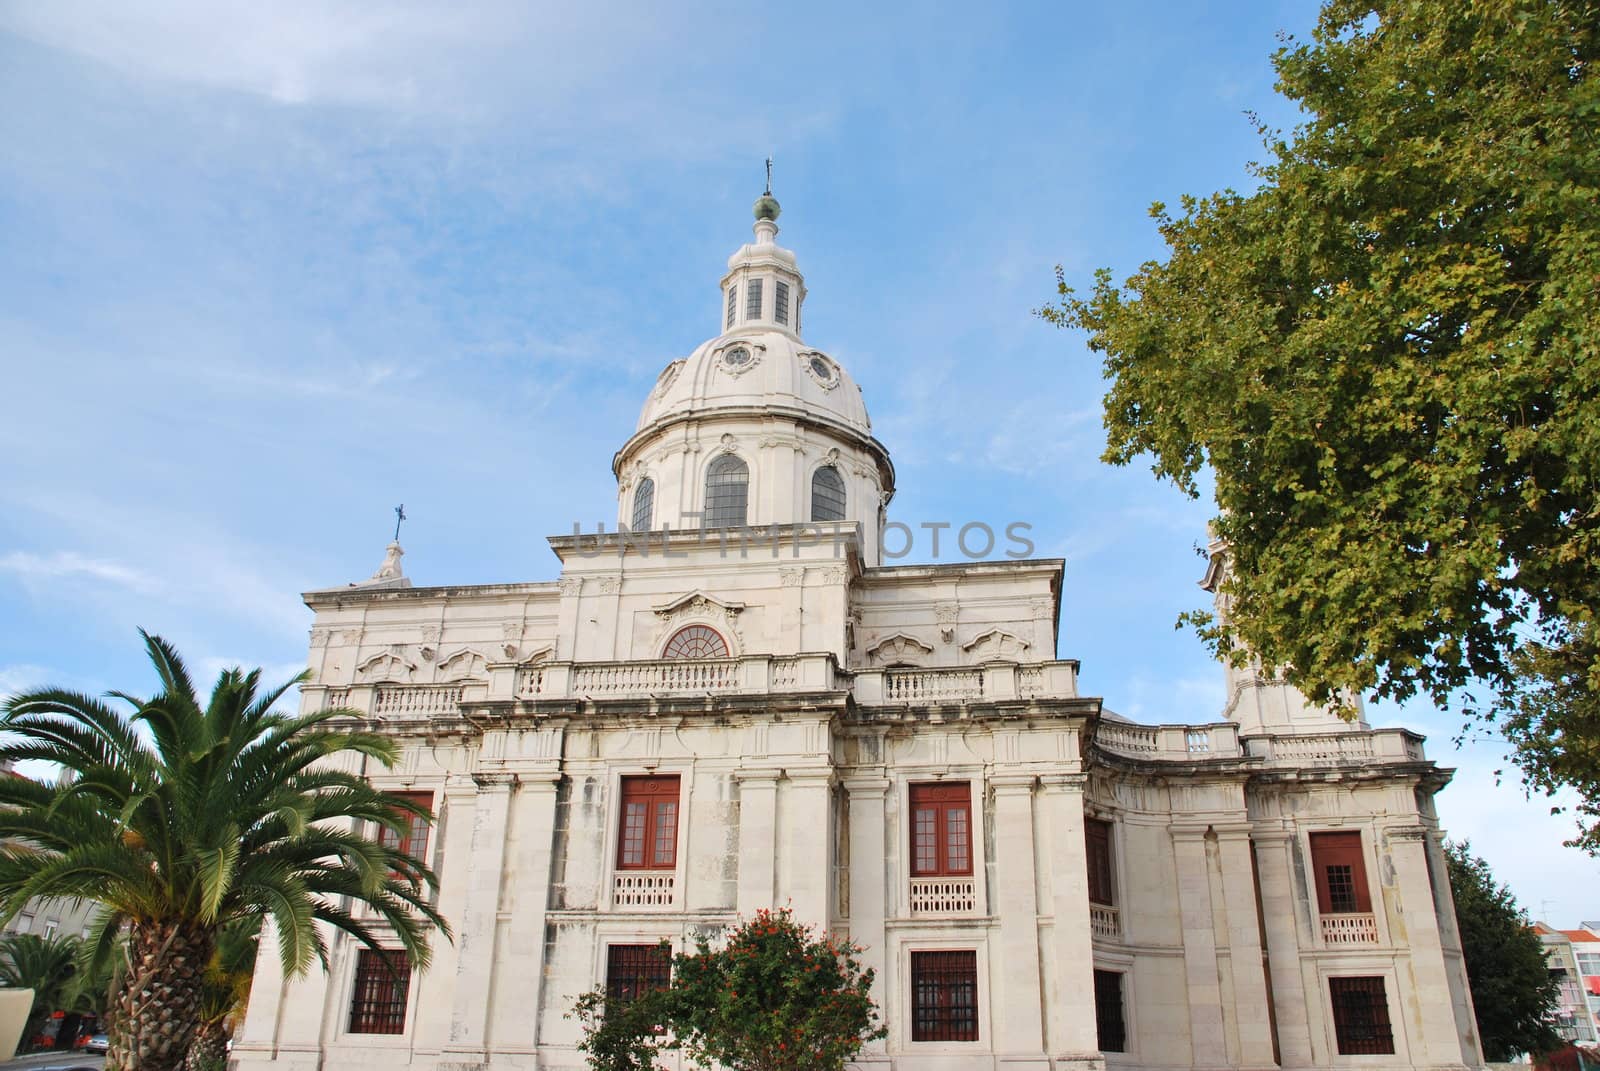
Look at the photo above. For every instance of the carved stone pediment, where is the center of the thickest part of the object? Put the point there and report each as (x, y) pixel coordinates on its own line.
(699, 603)
(465, 664)
(996, 645)
(386, 666)
(899, 649)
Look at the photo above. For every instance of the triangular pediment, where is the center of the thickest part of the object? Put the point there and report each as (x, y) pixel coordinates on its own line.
(699, 600)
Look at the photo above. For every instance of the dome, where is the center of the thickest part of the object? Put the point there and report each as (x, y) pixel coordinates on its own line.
(757, 369)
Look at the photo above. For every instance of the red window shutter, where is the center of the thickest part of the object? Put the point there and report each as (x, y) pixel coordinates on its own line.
(648, 839)
(1097, 850)
(414, 841)
(1341, 873)
(941, 830)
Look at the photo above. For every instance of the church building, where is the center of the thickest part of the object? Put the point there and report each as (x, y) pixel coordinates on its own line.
(732, 703)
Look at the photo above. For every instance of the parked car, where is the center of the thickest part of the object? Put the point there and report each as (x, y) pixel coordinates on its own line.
(96, 1043)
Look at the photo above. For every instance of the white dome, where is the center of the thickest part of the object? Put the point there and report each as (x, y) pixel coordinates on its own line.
(768, 369)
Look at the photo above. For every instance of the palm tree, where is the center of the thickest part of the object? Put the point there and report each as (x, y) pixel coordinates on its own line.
(45, 965)
(180, 818)
(228, 977)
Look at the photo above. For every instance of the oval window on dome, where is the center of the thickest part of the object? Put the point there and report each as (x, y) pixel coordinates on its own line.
(737, 357)
(821, 369)
(827, 495)
(696, 641)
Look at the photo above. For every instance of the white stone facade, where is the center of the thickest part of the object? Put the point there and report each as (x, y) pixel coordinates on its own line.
(895, 752)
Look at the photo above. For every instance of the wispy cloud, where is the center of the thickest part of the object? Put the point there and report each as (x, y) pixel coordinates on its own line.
(69, 565)
(22, 678)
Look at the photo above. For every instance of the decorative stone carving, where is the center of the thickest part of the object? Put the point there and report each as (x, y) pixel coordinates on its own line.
(996, 645)
(899, 648)
(668, 375)
(465, 664)
(833, 574)
(791, 577)
(386, 666)
(610, 585)
(946, 613)
(319, 637)
(570, 586)
(350, 637)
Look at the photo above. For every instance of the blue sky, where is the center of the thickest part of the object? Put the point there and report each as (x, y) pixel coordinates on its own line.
(271, 269)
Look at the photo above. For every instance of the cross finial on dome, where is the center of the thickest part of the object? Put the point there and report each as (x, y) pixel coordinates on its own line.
(767, 205)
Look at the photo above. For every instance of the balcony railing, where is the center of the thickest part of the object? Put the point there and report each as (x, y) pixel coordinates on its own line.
(1105, 922)
(1353, 746)
(991, 682)
(648, 889)
(1350, 928)
(1169, 742)
(943, 896)
(673, 677)
(416, 701)
(915, 685)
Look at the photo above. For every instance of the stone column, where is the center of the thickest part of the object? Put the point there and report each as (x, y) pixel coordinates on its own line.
(1280, 915)
(476, 937)
(758, 820)
(1206, 1033)
(1244, 942)
(1073, 1036)
(435, 987)
(1416, 923)
(873, 881)
(810, 844)
(519, 970)
(1014, 992)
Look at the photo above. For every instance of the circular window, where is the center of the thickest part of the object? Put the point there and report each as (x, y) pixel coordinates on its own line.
(821, 369)
(696, 641)
(737, 357)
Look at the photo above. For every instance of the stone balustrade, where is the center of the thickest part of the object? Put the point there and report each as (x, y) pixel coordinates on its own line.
(648, 889)
(1169, 742)
(1349, 928)
(943, 896)
(1352, 746)
(993, 681)
(1105, 922)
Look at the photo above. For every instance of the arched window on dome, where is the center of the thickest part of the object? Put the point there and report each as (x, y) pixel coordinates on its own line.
(644, 504)
(727, 493)
(827, 494)
(696, 641)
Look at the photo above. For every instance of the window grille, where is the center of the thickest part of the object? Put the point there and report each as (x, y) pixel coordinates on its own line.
(941, 830)
(634, 970)
(780, 303)
(944, 996)
(752, 300)
(649, 836)
(378, 999)
(696, 641)
(827, 495)
(1109, 1021)
(1097, 845)
(727, 493)
(1360, 1016)
(644, 501)
(733, 303)
(414, 841)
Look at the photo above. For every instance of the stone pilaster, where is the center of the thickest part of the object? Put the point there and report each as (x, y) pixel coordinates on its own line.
(1418, 927)
(873, 879)
(1072, 1036)
(1014, 987)
(810, 844)
(1244, 943)
(519, 976)
(758, 837)
(1279, 915)
(1206, 1031)
(476, 937)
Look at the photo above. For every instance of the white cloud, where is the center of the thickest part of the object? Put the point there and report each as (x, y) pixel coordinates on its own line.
(69, 565)
(22, 678)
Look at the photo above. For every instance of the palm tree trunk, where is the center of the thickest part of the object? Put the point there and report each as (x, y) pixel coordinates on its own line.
(209, 1050)
(158, 1007)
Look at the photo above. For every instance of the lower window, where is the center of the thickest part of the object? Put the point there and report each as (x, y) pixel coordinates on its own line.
(944, 996)
(633, 970)
(1108, 1019)
(1361, 1016)
(378, 999)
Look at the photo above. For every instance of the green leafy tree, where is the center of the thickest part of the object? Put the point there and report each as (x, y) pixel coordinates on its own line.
(774, 996)
(46, 965)
(1388, 354)
(1512, 988)
(181, 817)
